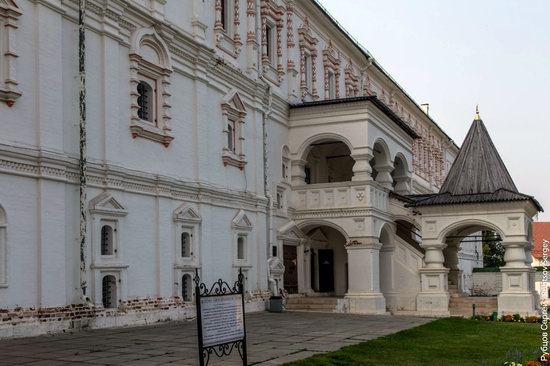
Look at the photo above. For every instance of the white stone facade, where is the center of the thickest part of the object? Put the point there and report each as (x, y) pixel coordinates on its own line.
(210, 174)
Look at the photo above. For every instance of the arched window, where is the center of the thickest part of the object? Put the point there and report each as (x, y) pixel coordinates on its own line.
(107, 242)
(185, 245)
(187, 288)
(150, 70)
(3, 245)
(146, 101)
(109, 292)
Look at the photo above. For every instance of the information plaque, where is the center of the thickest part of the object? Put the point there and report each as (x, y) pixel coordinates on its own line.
(220, 319)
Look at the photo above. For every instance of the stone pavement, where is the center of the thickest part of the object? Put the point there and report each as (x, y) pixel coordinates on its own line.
(273, 339)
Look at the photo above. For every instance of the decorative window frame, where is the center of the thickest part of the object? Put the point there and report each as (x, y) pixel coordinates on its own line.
(161, 130)
(233, 109)
(105, 207)
(179, 285)
(272, 14)
(229, 39)
(281, 200)
(120, 277)
(241, 227)
(351, 80)
(9, 17)
(331, 64)
(3, 248)
(186, 218)
(308, 45)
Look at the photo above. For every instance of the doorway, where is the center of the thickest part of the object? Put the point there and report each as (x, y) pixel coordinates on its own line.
(290, 260)
(326, 270)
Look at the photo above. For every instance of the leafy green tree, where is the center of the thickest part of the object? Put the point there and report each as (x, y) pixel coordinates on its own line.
(493, 251)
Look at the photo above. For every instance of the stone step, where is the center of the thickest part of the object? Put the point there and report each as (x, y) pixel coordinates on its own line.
(313, 300)
(310, 306)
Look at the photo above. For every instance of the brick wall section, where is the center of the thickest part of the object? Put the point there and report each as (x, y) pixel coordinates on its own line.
(22, 315)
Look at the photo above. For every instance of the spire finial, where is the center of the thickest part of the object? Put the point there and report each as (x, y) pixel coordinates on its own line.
(478, 117)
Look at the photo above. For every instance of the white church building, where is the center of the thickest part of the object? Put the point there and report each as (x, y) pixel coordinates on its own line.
(226, 135)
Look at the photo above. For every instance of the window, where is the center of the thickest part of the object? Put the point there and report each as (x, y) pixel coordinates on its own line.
(225, 16)
(241, 248)
(233, 117)
(3, 249)
(331, 85)
(187, 288)
(308, 71)
(186, 245)
(146, 101)
(279, 200)
(107, 240)
(231, 136)
(270, 43)
(150, 70)
(109, 292)
(308, 57)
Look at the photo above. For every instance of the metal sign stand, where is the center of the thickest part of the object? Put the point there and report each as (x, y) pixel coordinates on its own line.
(219, 288)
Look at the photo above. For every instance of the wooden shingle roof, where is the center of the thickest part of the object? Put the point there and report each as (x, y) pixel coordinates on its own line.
(478, 175)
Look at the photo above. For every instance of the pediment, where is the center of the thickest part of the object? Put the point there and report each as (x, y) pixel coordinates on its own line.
(233, 101)
(107, 204)
(291, 232)
(241, 221)
(10, 9)
(187, 213)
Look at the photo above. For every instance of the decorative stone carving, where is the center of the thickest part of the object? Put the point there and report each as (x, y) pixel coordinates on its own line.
(331, 63)
(9, 16)
(308, 45)
(150, 58)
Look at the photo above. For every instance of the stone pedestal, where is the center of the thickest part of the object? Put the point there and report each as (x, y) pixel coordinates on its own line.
(433, 298)
(364, 296)
(517, 294)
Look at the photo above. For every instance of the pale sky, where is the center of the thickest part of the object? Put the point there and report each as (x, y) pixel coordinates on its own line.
(455, 54)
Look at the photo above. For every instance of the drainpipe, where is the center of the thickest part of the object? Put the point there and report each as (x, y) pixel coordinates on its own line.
(82, 74)
(265, 116)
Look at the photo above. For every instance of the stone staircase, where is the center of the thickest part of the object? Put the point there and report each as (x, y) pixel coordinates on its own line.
(312, 303)
(460, 304)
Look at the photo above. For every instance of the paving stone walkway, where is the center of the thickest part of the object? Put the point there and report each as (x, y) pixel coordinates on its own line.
(273, 339)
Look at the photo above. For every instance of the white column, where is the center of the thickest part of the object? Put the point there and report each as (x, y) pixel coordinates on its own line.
(433, 298)
(362, 170)
(298, 172)
(364, 296)
(384, 175)
(518, 293)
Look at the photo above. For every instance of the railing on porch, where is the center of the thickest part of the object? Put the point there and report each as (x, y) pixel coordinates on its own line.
(339, 195)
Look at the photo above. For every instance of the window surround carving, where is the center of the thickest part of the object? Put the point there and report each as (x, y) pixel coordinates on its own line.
(143, 68)
(3, 249)
(9, 16)
(234, 113)
(228, 36)
(241, 227)
(331, 64)
(187, 220)
(272, 15)
(308, 45)
(351, 80)
(106, 211)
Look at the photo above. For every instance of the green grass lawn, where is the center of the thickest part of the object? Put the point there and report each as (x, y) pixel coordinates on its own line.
(444, 342)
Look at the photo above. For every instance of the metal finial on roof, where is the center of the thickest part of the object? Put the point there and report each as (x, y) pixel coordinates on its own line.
(478, 117)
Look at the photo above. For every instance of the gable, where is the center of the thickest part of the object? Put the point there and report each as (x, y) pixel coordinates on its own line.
(241, 221)
(233, 100)
(187, 213)
(107, 204)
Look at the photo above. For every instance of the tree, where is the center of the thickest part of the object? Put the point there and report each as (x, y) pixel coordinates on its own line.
(493, 251)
